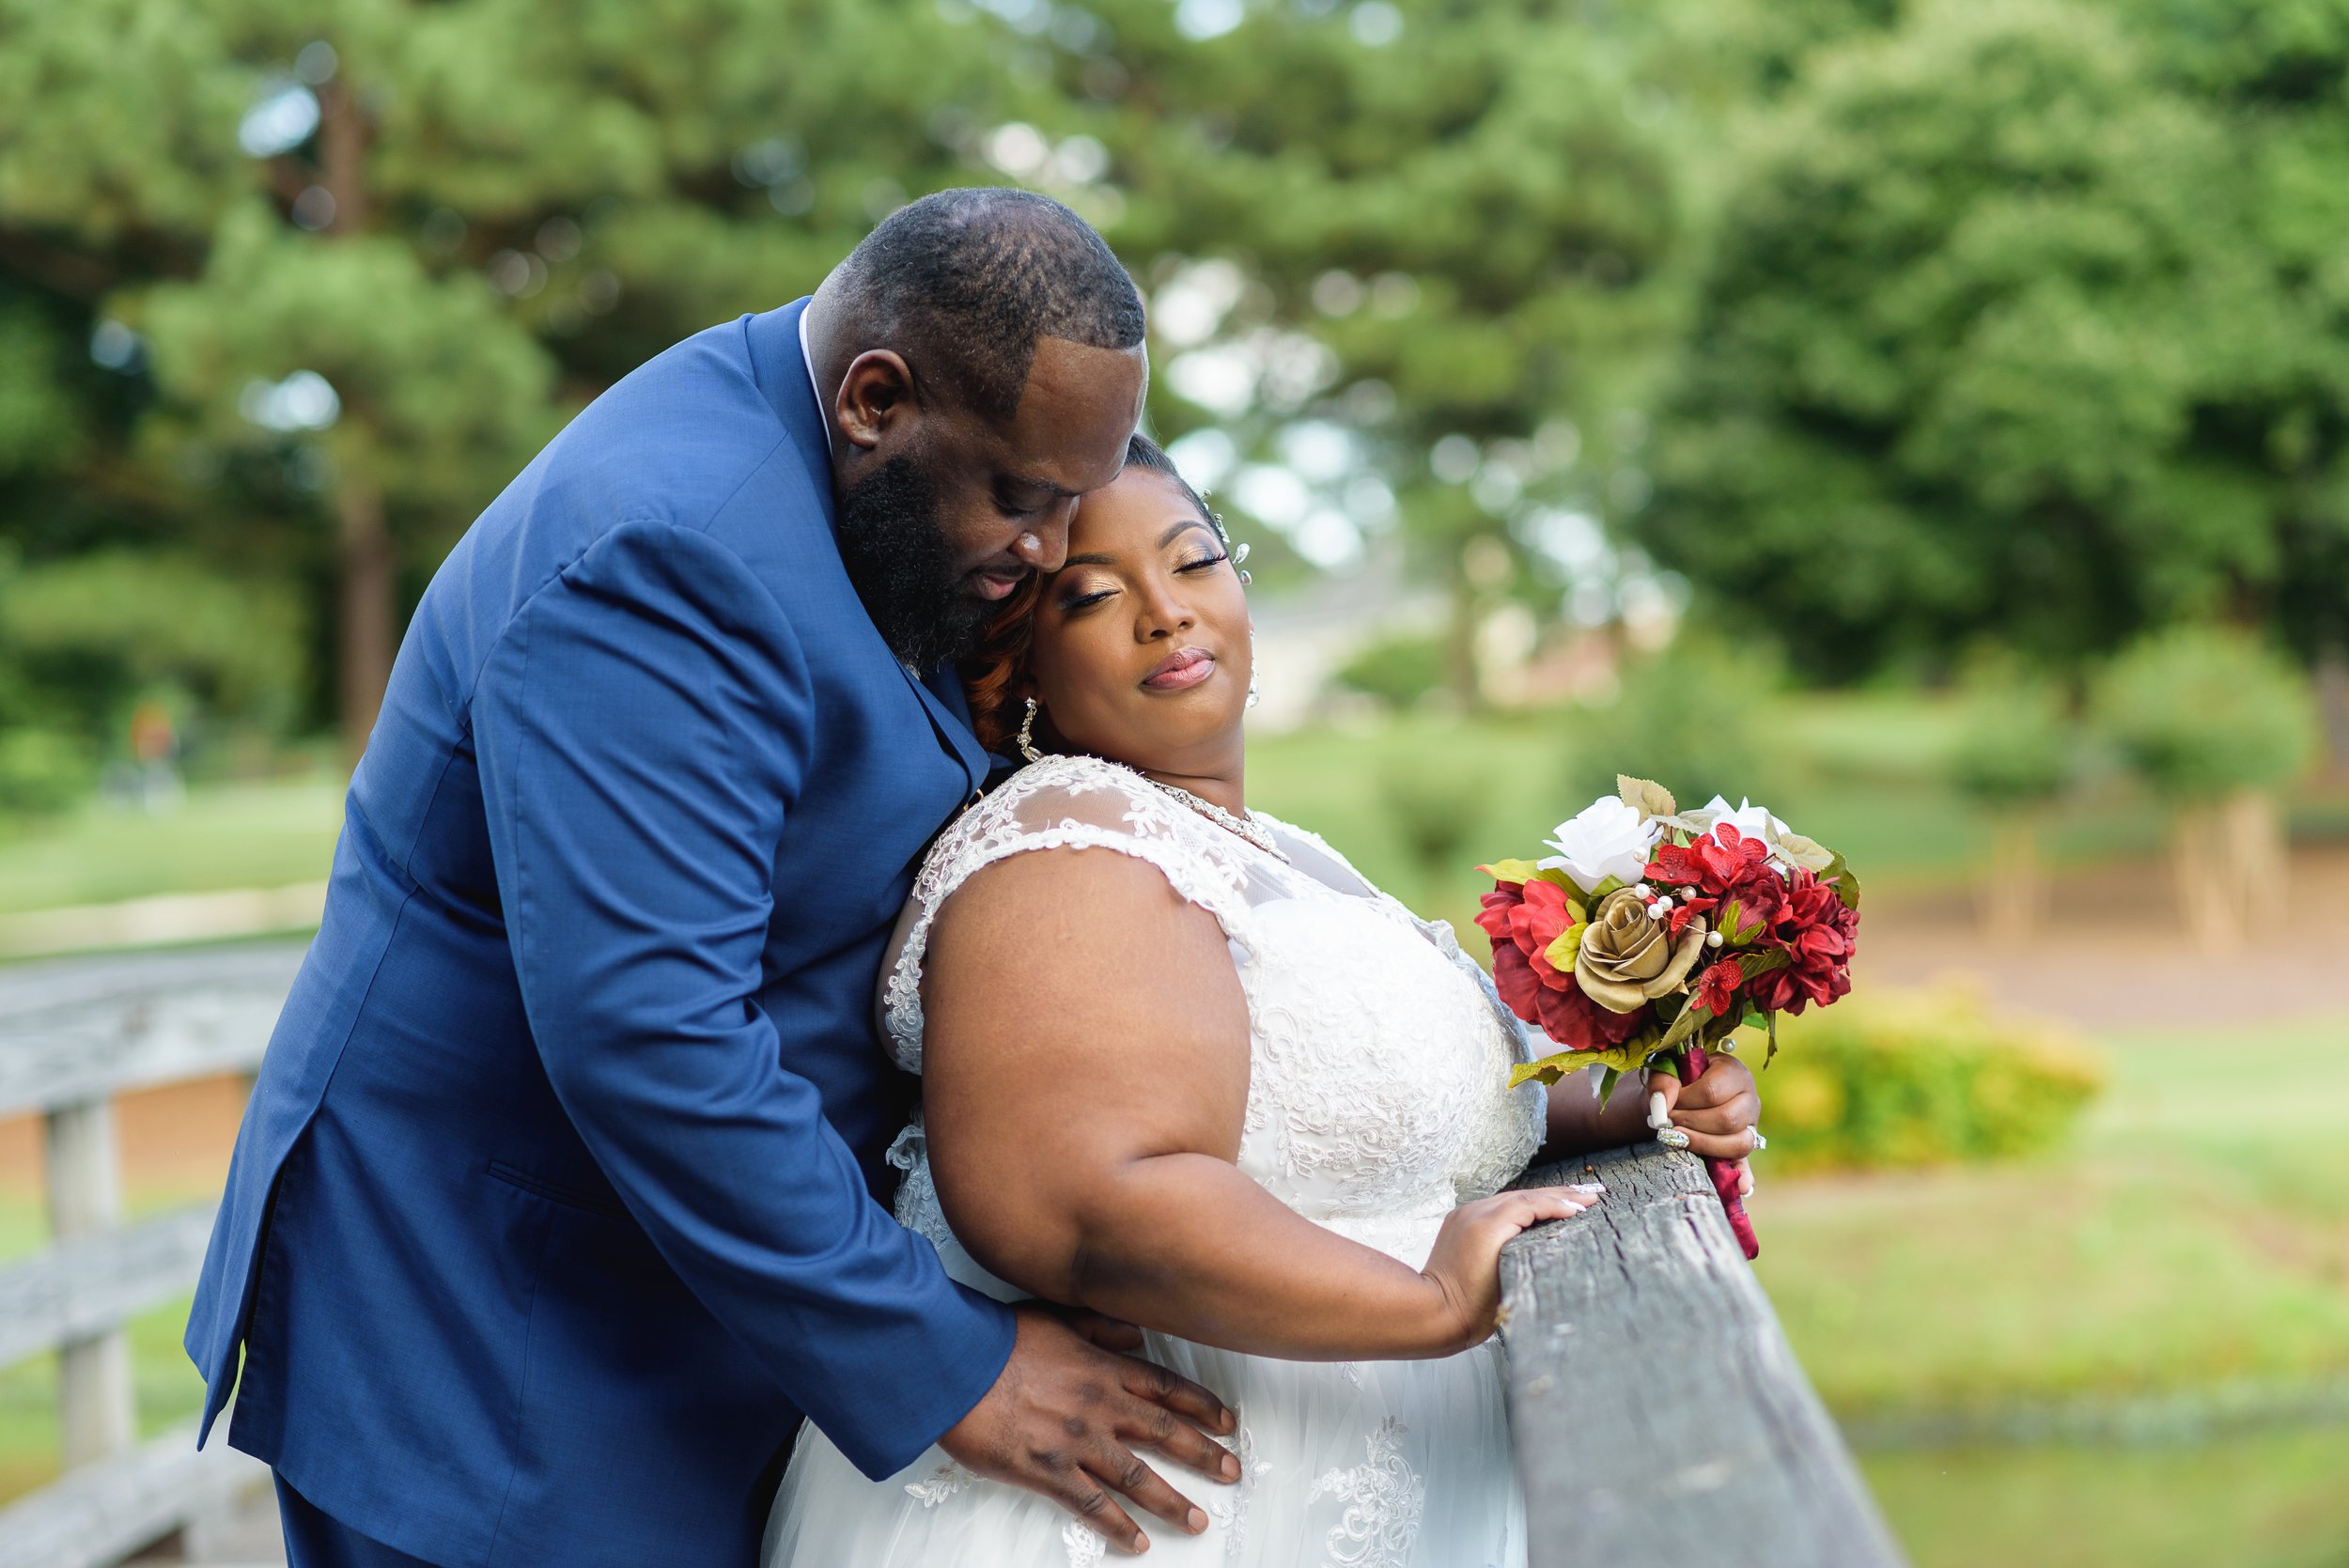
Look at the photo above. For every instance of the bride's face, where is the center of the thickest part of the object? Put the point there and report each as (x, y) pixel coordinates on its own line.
(1142, 649)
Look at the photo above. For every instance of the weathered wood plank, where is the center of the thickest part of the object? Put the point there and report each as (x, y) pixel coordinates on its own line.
(1660, 1417)
(78, 1289)
(103, 1512)
(97, 1411)
(87, 1029)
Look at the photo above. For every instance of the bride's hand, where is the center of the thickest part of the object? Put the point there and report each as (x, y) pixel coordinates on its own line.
(1465, 1263)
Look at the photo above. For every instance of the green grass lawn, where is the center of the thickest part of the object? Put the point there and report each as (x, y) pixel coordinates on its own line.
(2198, 1233)
(240, 835)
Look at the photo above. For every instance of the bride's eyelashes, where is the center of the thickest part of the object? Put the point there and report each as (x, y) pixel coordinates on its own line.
(1074, 603)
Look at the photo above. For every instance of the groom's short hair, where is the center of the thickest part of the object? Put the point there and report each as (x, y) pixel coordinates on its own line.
(963, 283)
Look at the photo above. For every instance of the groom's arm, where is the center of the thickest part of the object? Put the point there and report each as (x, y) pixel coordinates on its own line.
(641, 729)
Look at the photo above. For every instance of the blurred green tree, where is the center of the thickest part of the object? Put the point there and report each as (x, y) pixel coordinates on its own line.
(2016, 752)
(1416, 252)
(2024, 322)
(2217, 725)
(360, 260)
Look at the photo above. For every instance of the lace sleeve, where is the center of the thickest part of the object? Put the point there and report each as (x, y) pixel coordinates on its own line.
(1070, 803)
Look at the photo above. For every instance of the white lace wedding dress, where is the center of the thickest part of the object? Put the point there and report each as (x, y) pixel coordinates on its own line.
(1375, 1102)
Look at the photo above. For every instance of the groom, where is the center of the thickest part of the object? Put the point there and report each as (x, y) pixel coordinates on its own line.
(554, 1206)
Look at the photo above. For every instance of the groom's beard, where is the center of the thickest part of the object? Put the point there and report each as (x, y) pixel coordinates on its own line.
(902, 569)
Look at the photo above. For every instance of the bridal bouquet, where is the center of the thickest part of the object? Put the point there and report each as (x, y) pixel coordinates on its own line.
(1652, 933)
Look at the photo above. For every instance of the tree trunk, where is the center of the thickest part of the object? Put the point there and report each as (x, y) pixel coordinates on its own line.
(2210, 904)
(2251, 828)
(2332, 705)
(2015, 901)
(368, 640)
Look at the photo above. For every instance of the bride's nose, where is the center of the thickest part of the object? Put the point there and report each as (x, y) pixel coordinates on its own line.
(1164, 613)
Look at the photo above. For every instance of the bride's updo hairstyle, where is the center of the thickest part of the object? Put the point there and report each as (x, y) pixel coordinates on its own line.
(991, 676)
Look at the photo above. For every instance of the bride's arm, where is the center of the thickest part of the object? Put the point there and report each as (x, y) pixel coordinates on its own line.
(1084, 1075)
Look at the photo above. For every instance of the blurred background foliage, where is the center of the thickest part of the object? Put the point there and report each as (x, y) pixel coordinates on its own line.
(1926, 416)
(1871, 335)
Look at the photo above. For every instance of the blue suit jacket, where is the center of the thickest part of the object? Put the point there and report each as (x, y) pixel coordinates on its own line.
(555, 1204)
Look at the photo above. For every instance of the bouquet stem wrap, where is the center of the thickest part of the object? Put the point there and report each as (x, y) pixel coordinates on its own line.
(1724, 1172)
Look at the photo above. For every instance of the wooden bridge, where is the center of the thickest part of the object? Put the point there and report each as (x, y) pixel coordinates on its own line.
(1661, 1420)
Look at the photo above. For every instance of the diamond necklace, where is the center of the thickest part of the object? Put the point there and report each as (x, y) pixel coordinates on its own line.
(1242, 827)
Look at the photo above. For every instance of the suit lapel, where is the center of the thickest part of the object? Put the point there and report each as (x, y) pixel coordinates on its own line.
(943, 700)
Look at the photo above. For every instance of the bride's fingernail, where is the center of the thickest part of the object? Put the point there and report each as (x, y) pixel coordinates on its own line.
(1230, 1467)
(1589, 1186)
(1197, 1521)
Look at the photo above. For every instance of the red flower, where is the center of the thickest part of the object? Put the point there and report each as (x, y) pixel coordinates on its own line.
(1513, 977)
(1818, 934)
(1493, 916)
(1715, 862)
(1717, 987)
(1522, 920)
(1578, 1023)
(1528, 916)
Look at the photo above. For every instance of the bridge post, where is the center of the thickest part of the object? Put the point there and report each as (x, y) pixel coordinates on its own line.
(96, 1406)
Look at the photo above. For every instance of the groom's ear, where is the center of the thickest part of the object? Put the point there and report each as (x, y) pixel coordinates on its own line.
(876, 399)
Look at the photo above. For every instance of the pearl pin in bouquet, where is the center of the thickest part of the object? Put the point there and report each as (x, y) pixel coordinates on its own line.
(1652, 935)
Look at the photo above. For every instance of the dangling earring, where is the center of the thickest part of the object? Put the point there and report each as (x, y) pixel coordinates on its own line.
(1251, 650)
(1027, 734)
(1253, 698)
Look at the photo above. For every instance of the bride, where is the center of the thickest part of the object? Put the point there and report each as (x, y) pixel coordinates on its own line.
(1182, 1066)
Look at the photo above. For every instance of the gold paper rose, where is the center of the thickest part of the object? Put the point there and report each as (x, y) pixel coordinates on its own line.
(1627, 960)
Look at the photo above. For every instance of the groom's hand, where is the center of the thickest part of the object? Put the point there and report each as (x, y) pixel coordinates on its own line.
(1066, 1414)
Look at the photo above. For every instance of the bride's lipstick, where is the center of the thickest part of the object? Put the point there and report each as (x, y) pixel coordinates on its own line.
(1180, 670)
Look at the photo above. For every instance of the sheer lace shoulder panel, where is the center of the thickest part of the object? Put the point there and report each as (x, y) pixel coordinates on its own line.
(1063, 802)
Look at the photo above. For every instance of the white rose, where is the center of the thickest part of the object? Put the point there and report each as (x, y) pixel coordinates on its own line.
(1747, 818)
(1607, 839)
(1788, 848)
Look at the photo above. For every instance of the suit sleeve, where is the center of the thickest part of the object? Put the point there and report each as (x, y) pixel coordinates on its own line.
(641, 729)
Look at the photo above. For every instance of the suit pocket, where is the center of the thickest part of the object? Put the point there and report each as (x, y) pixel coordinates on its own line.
(554, 1192)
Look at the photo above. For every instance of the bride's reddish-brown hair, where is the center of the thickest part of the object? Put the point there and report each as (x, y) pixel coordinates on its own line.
(992, 674)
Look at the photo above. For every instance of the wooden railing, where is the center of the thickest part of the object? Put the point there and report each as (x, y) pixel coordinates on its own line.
(73, 1036)
(1661, 1420)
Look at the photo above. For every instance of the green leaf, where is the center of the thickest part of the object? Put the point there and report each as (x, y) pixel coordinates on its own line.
(1549, 1069)
(1685, 1025)
(1573, 892)
(1648, 797)
(1839, 872)
(1515, 873)
(1607, 1081)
